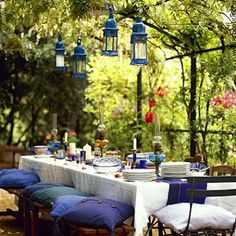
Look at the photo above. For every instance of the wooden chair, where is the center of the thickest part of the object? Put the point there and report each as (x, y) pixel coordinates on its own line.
(222, 170)
(11, 151)
(198, 219)
(195, 159)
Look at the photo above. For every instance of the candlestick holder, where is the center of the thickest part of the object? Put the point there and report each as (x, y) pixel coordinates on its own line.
(66, 144)
(54, 144)
(54, 133)
(133, 166)
(158, 157)
(101, 141)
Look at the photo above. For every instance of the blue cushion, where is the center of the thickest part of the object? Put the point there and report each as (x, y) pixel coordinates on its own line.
(17, 178)
(35, 187)
(7, 171)
(98, 212)
(63, 203)
(47, 196)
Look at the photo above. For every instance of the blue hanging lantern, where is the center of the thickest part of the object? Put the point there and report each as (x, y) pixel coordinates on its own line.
(139, 44)
(60, 55)
(110, 36)
(79, 61)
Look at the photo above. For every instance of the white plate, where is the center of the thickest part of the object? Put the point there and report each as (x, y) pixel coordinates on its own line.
(154, 177)
(197, 173)
(138, 171)
(42, 156)
(137, 175)
(176, 163)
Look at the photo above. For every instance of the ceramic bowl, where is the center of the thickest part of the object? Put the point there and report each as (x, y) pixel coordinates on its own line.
(107, 162)
(40, 150)
(106, 169)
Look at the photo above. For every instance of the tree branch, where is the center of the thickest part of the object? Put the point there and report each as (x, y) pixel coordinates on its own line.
(233, 45)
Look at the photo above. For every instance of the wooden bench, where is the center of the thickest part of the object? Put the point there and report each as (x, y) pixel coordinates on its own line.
(121, 230)
(32, 219)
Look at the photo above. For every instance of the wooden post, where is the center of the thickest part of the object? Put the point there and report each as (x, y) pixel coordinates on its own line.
(139, 107)
(192, 105)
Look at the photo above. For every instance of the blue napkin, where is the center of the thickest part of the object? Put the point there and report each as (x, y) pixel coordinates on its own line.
(178, 191)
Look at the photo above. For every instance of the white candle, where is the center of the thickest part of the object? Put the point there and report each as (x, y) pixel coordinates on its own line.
(134, 144)
(54, 121)
(72, 148)
(66, 137)
(87, 148)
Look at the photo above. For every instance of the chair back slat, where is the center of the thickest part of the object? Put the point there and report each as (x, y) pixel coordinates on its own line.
(194, 192)
(212, 193)
(211, 179)
(222, 170)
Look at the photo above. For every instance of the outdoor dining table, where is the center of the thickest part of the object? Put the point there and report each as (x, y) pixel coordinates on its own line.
(146, 197)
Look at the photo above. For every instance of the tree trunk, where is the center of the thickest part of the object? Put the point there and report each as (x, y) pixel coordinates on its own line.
(10, 136)
(192, 105)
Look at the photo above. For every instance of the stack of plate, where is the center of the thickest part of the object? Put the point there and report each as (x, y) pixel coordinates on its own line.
(107, 164)
(139, 174)
(175, 169)
(140, 156)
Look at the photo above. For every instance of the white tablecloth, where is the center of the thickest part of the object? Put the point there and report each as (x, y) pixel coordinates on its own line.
(146, 197)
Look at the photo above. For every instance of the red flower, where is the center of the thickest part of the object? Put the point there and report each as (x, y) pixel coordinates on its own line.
(72, 133)
(152, 102)
(228, 100)
(162, 91)
(149, 117)
(217, 101)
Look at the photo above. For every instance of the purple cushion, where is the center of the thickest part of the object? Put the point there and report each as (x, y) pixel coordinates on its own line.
(17, 178)
(64, 203)
(35, 187)
(98, 212)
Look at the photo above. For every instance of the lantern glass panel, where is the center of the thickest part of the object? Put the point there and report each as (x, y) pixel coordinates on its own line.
(79, 66)
(132, 50)
(83, 66)
(60, 60)
(110, 43)
(140, 50)
(104, 43)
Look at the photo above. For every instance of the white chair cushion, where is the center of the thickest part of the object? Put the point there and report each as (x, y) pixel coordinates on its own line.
(203, 216)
